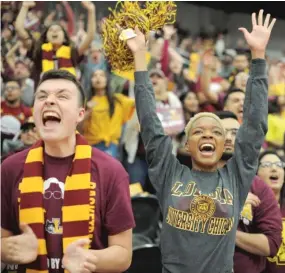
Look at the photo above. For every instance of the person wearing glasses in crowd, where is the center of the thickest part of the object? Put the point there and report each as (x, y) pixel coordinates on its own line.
(271, 169)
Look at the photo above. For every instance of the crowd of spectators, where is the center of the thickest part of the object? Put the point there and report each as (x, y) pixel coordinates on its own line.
(190, 74)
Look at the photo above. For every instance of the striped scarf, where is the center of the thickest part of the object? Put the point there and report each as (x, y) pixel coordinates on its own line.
(63, 56)
(78, 207)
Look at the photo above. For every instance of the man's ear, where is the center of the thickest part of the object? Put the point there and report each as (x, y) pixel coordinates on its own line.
(81, 115)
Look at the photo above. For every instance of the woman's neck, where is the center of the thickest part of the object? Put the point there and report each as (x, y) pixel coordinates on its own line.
(56, 46)
(277, 196)
(100, 92)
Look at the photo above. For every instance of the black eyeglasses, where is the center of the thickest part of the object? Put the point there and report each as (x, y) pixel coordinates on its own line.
(267, 164)
(27, 128)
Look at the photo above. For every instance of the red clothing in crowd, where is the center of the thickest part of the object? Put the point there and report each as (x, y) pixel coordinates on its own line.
(22, 113)
(264, 219)
(277, 264)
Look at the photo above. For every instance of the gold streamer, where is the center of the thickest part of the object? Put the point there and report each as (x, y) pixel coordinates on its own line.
(153, 16)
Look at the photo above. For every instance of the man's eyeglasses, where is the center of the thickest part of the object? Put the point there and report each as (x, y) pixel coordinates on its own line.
(31, 128)
(267, 164)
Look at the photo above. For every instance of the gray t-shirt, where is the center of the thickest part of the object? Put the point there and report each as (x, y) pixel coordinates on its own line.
(201, 209)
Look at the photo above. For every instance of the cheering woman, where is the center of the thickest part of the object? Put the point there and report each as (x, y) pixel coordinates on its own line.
(201, 206)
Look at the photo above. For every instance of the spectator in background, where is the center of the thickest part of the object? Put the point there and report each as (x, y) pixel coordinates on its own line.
(12, 105)
(167, 105)
(63, 14)
(259, 229)
(276, 124)
(190, 104)
(240, 64)
(227, 61)
(106, 115)
(234, 101)
(95, 61)
(7, 39)
(21, 69)
(27, 138)
(211, 86)
(54, 49)
(277, 78)
(241, 80)
(171, 62)
(271, 169)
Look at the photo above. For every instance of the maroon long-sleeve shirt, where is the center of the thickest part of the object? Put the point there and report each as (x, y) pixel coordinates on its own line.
(266, 219)
(277, 264)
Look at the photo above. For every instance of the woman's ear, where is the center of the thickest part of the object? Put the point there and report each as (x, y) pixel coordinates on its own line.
(186, 146)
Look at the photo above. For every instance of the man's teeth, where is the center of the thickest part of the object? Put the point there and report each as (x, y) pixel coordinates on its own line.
(50, 114)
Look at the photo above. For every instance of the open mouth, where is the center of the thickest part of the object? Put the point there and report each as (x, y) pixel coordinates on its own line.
(50, 118)
(274, 178)
(207, 149)
(54, 36)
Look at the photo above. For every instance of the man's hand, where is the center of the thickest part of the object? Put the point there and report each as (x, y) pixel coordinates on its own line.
(258, 39)
(252, 199)
(88, 5)
(22, 249)
(29, 4)
(79, 260)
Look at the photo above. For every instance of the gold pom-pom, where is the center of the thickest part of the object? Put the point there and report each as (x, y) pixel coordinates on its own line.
(153, 16)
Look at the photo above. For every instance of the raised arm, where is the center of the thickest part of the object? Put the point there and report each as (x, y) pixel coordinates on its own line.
(158, 146)
(252, 132)
(91, 27)
(70, 17)
(205, 79)
(20, 21)
(10, 56)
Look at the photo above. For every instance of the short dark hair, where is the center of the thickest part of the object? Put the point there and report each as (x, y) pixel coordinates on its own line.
(231, 91)
(13, 80)
(65, 75)
(226, 114)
